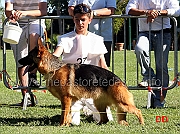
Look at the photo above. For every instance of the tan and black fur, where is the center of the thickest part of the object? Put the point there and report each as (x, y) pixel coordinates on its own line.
(70, 82)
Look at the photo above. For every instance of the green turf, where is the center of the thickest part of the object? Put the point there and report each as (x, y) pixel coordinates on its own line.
(44, 118)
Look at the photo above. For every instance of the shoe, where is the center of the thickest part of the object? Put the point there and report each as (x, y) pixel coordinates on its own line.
(32, 101)
(145, 83)
(158, 104)
(159, 107)
(33, 81)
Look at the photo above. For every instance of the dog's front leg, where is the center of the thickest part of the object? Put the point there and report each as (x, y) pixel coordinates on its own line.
(65, 113)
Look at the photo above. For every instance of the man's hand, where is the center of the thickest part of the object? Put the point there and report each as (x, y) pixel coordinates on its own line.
(16, 14)
(152, 14)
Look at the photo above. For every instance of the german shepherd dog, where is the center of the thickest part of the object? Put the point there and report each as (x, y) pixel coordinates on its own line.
(70, 82)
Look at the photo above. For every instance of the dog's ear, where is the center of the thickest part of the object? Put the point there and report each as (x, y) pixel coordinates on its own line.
(25, 61)
(41, 47)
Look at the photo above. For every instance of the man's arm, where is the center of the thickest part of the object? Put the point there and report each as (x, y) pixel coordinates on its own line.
(18, 14)
(70, 10)
(104, 11)
(172, 8)
(102, 62)
(39, 12)
(8, 9)
(99, 12)
(137, 12)
(58, 51)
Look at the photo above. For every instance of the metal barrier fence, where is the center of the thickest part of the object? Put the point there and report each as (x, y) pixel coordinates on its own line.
(11, 81)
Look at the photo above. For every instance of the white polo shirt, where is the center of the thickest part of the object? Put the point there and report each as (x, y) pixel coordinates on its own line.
(84, 49)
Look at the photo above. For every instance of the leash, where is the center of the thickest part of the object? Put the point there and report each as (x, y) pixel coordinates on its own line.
(150, 90)
(11, 83)
(8, 78)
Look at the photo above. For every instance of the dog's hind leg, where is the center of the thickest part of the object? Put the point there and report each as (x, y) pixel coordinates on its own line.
(123, 99)
(101, 107)
(121, 115)
(133, 110)
(65, 113)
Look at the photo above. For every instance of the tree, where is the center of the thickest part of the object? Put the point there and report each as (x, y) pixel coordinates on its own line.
(59, 7)
(120, 9)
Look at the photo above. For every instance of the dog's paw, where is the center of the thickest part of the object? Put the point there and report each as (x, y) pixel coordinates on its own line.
(102, 122)
(142, 123)
(65, 124)
(123, 122)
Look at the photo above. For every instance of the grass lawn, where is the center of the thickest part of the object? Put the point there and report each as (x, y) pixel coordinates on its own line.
(44, 118)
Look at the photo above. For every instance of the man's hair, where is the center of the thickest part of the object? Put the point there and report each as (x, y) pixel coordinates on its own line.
(82, 9)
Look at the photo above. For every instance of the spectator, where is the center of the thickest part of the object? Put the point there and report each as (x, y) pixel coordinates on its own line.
(102, 27)
(152, 9)
(14, 10)
(82, 46)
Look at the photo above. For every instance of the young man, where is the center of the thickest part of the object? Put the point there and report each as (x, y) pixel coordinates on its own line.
(152, 9)
(82, 46)
(102, 27)
(14, 10)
